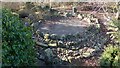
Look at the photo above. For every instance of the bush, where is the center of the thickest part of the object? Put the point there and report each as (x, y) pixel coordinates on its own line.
(110, 56)
(114, 31)
(17, 43)
(117, 33)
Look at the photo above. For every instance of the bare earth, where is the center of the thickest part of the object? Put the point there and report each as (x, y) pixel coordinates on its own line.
(64, 26)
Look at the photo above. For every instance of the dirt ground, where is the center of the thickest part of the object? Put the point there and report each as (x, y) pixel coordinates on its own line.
(64, 26)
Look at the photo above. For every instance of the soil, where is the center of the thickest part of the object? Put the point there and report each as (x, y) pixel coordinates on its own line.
(64, 26)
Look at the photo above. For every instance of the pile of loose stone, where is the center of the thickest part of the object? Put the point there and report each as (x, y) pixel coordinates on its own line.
(60, 50)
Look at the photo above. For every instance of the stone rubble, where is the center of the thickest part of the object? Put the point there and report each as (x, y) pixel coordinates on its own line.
(63, 49)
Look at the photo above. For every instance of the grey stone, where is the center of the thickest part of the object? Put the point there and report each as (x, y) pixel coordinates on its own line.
(41, 63)
(41, 44)
(49, 54)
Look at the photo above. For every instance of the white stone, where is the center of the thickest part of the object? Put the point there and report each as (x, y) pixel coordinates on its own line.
(52, 44)
(79, 16)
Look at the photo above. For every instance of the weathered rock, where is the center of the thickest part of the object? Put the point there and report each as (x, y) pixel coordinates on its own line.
(38, 31)
(58, 50)
(57, 61)
(87, 52)
(73, 48)
(42, 57)
(41, 44)
(69, 58)
(97, 48)
(54, 37)
(41, 63)
(65, 14)
(76, 53)
(80, 16)
(47, 37)
(35, 26)
(69, 15)
(70, 53)
(49, 54)
(64, 58)
(52, 44)
(60, 43)
(77, 57)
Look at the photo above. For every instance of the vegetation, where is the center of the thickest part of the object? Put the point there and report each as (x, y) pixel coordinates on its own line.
(110, 57)
(17, 43)
(0, 38)
(111, 54)
(100, 36)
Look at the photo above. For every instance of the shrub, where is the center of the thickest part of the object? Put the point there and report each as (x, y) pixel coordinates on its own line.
(117, 23)
(17, 43)
(114, 30)
(110, 56)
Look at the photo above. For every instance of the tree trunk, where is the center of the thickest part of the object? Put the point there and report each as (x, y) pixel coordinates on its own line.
(118, 11)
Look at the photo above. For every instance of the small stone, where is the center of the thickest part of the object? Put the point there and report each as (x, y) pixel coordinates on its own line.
(69, 58)
(70, 52)
(65, 14)
(73, 47)
(86, 54)
(77, 57)
(80, 16)
(64, 58)
(38, 31)
(76, 54)
(97, 48)
(42, 57)
(66, 51)
(40, 21)
(32, 24)
(80, 50)
(90, 50)
(60, 42)
(46, 36)
(27, 24)
(52, 44)
(53, 37)
(58, 49)
(41, 44)
(98, 25)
